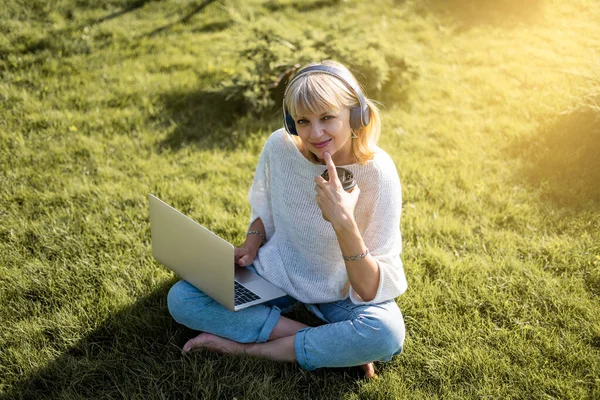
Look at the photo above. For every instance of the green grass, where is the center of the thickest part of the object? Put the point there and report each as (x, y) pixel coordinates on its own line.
(496, 140)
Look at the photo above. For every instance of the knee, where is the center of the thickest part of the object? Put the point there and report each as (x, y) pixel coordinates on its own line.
(392, 335)
(175, 298)
(385, 338)
(182, 297)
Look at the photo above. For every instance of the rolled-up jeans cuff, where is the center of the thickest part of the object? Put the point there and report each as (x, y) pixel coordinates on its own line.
(269, 325)
(299, 348)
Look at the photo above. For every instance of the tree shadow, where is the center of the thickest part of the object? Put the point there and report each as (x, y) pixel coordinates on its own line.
(471, 13)
(132, 6)
(67, 41)
(563, 159)
(208, 119)
(212, 27)
(301, 6)
(136, 353)
(194, 9)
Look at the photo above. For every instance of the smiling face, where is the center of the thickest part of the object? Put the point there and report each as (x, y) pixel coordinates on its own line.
(327, 131)
(320, 105)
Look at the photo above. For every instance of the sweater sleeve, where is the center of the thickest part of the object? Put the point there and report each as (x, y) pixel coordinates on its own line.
(383, 238)
(259, 195)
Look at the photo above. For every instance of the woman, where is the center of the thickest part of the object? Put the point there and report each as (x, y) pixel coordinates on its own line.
(337, 252)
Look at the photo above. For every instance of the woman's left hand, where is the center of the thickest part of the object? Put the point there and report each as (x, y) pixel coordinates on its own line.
(335, 203)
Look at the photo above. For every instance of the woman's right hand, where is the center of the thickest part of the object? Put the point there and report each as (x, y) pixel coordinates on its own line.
(245, 255)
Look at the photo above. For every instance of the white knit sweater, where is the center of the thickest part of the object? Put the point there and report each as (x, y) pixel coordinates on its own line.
(302, 255)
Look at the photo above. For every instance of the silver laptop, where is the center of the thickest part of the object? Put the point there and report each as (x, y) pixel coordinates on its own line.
(204, 259)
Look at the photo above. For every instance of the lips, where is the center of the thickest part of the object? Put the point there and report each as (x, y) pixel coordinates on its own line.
(320, 145)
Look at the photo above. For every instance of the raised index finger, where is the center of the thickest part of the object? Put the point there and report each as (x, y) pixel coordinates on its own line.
(333, 176)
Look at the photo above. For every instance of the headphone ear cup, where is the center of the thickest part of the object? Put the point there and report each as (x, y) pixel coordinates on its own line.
(355, 118)
(366, 115)
(290, 124)
(359, 118)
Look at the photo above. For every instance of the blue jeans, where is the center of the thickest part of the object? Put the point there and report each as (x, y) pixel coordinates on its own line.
(353, 334)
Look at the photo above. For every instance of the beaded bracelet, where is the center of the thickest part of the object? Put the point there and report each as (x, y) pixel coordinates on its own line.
(264, 239)
(358, 257)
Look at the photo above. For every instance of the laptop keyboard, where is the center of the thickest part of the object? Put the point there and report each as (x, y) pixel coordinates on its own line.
(243, 295)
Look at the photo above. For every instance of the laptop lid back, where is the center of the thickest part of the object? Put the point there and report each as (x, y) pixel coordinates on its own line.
(192, 252)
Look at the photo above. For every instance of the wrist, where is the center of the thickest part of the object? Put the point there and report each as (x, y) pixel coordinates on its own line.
(257, 233)
(253, 243)
(345, 224)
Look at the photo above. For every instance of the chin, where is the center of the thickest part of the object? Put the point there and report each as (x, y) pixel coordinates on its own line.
(317, 157)
(321, 155)
(321, 152)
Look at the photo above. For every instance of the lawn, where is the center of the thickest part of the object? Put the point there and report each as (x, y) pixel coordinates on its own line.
(491, 112)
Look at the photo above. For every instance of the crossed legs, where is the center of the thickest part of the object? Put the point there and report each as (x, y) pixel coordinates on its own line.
(280, 346)
(355, 335)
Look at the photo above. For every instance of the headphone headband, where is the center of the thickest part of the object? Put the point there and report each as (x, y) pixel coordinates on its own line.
(358, 119)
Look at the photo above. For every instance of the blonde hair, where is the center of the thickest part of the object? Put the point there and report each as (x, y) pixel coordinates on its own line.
(316, 92)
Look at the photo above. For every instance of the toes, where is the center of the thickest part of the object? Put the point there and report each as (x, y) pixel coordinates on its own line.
(369, 370)
(187, 346)
(193, 343)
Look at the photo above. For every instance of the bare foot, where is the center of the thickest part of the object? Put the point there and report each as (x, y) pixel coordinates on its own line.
(369, 370)
(226, 346)
(213, 343)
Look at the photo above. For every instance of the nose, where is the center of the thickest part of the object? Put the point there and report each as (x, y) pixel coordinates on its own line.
(316, 130)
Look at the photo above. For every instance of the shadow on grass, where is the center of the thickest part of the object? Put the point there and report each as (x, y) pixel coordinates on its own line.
(208, 120)
(212, 27)
(73, 39)
(194, 9)
(69, 41)
(136, 354)
(472, 13)
(101, 364)
(132, 6)
(301, 6)
(563, 159)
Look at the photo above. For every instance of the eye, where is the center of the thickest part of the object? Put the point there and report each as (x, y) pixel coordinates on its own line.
(301, 121)
(328, 117)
